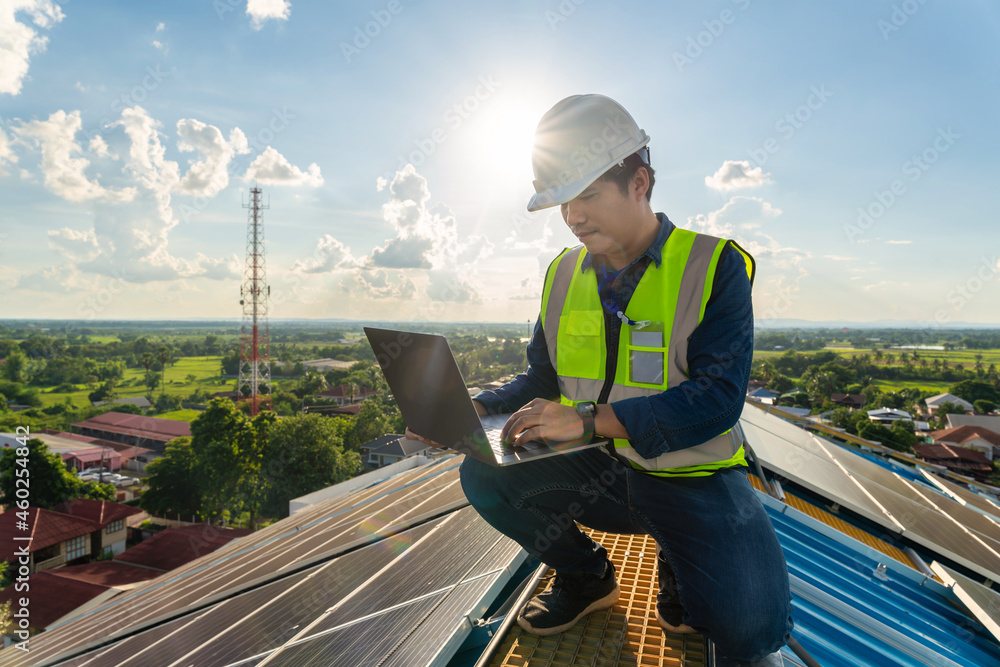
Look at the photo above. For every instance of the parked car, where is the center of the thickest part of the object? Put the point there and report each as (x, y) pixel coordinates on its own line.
(92, 471)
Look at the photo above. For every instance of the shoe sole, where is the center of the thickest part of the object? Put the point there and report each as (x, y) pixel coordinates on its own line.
(604, 603)
(680, 629)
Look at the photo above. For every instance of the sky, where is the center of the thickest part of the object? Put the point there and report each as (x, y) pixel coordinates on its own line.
(851, 147)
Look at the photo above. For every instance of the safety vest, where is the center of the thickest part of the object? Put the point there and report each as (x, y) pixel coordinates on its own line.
(650, 360)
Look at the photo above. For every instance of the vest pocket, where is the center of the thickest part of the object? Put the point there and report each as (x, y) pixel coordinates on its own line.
(578, 352)
(646, 356)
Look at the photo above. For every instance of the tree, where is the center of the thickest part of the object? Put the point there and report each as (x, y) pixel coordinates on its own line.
(15, 368)
(984, 407)
(370, 423)
(948, 408)
(974, 390)
(303, 453)
(219, 438)
(173, 484)
(163, 355)
(50, 482)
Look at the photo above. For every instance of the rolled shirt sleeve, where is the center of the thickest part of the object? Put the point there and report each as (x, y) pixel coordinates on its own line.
(720, 353)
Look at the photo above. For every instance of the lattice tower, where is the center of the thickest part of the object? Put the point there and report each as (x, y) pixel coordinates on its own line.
(255, 346)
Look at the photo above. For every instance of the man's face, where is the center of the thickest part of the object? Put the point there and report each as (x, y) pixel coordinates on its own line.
(602, 218)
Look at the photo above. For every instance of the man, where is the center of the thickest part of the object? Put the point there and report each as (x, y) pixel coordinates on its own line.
(645, 337)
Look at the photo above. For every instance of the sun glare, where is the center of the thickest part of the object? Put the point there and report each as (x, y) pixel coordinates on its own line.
(501, 136)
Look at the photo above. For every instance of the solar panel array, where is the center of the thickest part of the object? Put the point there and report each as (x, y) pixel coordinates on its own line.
(964, 496)
(904, 508)
(404, 562)
(982, 602)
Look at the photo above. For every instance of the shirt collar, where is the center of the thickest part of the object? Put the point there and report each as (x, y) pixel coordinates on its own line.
(654, 251)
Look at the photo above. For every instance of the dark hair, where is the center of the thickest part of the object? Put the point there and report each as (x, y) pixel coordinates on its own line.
(622, 176)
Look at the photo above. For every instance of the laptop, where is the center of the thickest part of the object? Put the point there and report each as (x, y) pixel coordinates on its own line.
(431, 393)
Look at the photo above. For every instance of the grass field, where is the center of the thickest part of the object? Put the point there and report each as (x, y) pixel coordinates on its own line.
(181, 415)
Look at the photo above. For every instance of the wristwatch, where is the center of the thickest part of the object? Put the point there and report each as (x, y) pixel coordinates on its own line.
(587, 410)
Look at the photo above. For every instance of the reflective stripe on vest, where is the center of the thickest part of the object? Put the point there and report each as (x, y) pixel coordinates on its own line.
(574, 333)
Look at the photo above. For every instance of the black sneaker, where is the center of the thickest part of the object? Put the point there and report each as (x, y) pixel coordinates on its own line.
(669, 610)
(569, 598)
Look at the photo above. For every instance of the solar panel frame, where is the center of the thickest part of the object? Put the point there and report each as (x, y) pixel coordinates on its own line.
(962, 495)
(982, 602)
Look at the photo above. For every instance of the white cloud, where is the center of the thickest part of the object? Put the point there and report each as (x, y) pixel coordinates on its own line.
(64, 174)
(329, 255)
(449, 286)
(217, 269)
(271, 168)
(7, 156)
(146, 159)
(160, 46)
(18, 41)
(747, 212)
(74, 245)
(260, 11)
(379, 284)
(99, 147)
(210, 175)
(63, 279)
(839, 258)
(899, 242)
(161, 26)
(733, 175)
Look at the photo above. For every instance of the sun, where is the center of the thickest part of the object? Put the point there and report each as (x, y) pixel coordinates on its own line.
(500, 135)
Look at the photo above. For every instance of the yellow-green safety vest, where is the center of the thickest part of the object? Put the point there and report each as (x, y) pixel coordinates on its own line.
(650, 360)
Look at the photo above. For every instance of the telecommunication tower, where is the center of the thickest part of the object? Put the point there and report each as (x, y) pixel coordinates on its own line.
(255, 345)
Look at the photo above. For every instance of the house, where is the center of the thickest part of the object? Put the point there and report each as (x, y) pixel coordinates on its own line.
(319, 364)
(134, 430)
(851, 401)
(980, 439)
(343, 394)
(982, 421)
(126, 452)
(762, 395)
(961, 460)
(390, 449)
(93, 457)
(55, 538)
(109, 516)
(888, 415)
(173, 547)
(934, 402)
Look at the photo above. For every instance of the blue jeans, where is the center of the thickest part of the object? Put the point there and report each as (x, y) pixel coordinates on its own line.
(731, 573)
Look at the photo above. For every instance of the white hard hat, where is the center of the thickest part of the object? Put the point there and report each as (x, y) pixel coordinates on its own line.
(576, 141)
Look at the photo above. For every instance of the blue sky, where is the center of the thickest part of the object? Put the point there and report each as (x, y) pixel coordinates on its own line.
(850, 146)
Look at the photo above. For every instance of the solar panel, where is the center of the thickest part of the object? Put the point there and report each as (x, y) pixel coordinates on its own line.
(963, 495)
(310, 536)
(984, 603)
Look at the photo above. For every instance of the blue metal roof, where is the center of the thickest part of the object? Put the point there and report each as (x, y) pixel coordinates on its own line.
(848, 613)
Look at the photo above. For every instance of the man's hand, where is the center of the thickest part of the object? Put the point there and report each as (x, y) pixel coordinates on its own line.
(543, 420)
(480, 410)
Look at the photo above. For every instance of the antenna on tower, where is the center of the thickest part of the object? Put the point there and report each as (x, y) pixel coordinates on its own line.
(254, 385)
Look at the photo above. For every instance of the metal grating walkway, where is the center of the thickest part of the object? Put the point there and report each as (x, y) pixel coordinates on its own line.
(625, 635)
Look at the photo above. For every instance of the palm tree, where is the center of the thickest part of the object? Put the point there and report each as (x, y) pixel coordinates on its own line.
(878, 354)
(163, 356)
(147, 360)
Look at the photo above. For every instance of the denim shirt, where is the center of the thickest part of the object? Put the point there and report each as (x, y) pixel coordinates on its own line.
(720, 352)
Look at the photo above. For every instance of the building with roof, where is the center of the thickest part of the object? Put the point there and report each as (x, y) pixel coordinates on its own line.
(934, 402)
(981, 439)
(962, 460)
(344, 395)
(51, 598)
(888, 415)
(92, 457)
(850, 401)
(321, 365)
(390, 449)
(134, 430)
(55, 538)
(762, 395)
(176, 546)
(109, 516)
(887, 568)
(990, 422)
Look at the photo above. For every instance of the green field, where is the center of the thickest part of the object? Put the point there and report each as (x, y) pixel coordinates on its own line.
(181, 415)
